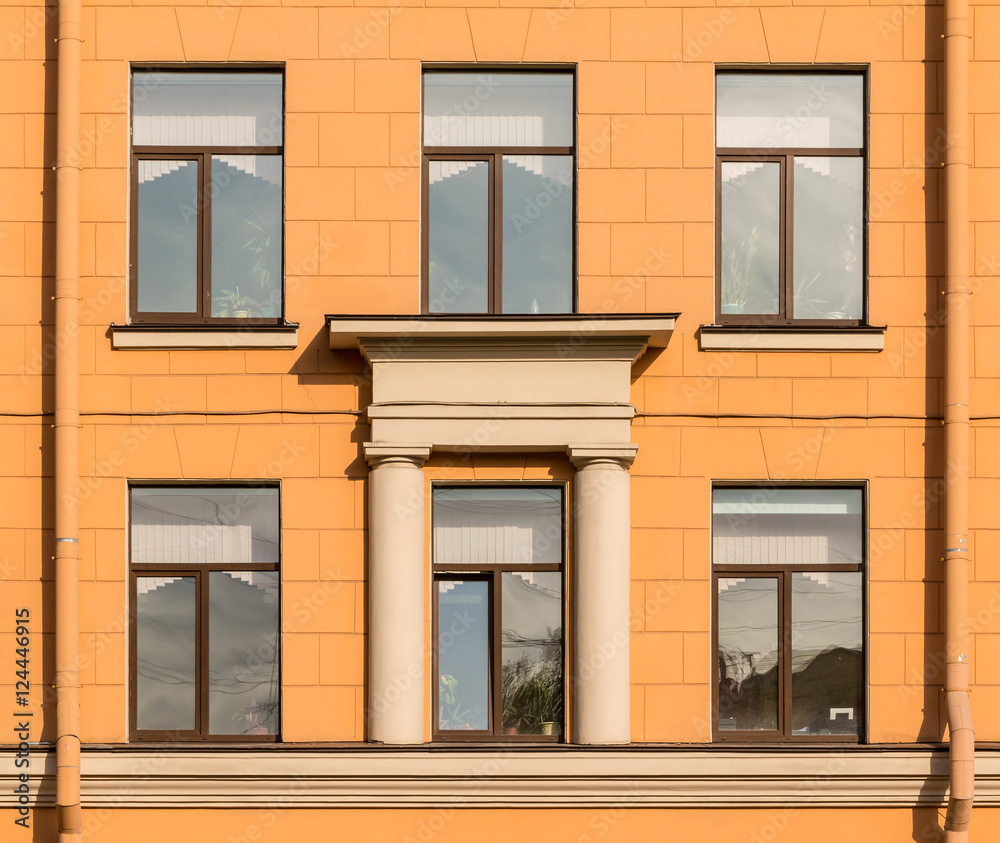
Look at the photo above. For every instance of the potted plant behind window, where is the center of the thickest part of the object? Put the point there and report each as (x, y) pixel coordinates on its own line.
(736, 264)
(230, 303)
(532, 691)
(452, 714)
(253, 718)
(261, 246)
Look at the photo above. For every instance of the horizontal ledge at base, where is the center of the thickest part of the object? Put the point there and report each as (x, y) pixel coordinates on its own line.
(720, 338)
(126, 337)
(507, 778)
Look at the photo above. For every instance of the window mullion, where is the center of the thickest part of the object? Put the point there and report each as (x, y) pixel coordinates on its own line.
(202, 667)
(496, 227)
(785, 661)
(496, 646)
(204, 240)
(787, 232)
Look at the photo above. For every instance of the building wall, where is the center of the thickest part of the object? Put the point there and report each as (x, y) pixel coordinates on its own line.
(352, 244)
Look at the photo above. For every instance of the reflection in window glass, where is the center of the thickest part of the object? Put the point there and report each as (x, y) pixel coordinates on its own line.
(243, 653)
(207, 643)
(463, 655)
(829, 238)
(751, 236)
(748, 653)
(827, 657)
(532, 678)
(498, 109)
(246, 235)
(458, 228)
(790, 526)
(793, 111)
(168, 236)
(206, 109)
(484, 525)
(165, 653)
(189, 526)
(538, 233)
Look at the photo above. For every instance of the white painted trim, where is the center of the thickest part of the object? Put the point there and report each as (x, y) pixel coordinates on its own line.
(843, 339)
(869, 777)
(172, 338)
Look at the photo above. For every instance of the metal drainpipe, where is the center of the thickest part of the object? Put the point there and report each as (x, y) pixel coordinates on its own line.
(956, 422)
(67, 423)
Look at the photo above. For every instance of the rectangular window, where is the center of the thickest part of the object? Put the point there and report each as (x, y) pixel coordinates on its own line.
(498, 196)
(204, 590)
(791, 175)
(206, 197)
(498, 612)
(789, 584)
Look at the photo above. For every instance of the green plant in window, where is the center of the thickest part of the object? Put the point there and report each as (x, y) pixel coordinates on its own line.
(231, 303)
(737, 262)
(452, 713)
(260, 245)
(532, 689)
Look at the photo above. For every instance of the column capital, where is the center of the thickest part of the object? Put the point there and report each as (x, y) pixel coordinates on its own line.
(604, 456)
(380, 453)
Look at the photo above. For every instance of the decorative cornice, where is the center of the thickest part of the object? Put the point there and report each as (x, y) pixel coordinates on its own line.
(621, 456)
(566, 331)
(380, 452)
(866, 777)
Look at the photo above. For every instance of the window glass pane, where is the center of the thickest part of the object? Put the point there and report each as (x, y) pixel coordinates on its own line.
(829, 238)
(243, 653)
(790, 526)
(463, 655)
(751, 236)
(475, 525)
(189, 526)
(532, 677)
(827, 659)
(206, 109)
(165, 653)
(458, 236)
(748, 653)
(768, 110)
(537, 234)
(167, 223)
(246, 235)
(498, 109)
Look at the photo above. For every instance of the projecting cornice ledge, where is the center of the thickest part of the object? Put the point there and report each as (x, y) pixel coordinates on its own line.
(568, 330)
(245, 778)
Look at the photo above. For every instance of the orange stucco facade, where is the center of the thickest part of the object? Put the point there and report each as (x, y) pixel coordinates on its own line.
(645, 244)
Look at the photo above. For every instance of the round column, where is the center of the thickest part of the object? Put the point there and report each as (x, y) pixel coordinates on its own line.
(396, 593)
(601, 664)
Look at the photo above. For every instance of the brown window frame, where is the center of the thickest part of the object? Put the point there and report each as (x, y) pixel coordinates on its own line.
(203, 156)
(493, 156)
(784, 573)
(493, 575)
(200, 572)
(785, 156)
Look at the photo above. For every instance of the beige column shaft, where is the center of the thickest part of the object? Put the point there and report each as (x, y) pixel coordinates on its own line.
(396, 593)
(601, 663)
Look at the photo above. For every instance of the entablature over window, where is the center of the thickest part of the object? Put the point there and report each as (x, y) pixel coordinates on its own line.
(502, 382)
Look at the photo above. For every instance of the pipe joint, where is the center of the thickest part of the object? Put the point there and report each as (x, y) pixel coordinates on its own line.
(956, 26)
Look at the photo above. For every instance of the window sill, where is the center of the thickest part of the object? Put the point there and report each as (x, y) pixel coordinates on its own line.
(204, 337)
(730, 338)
